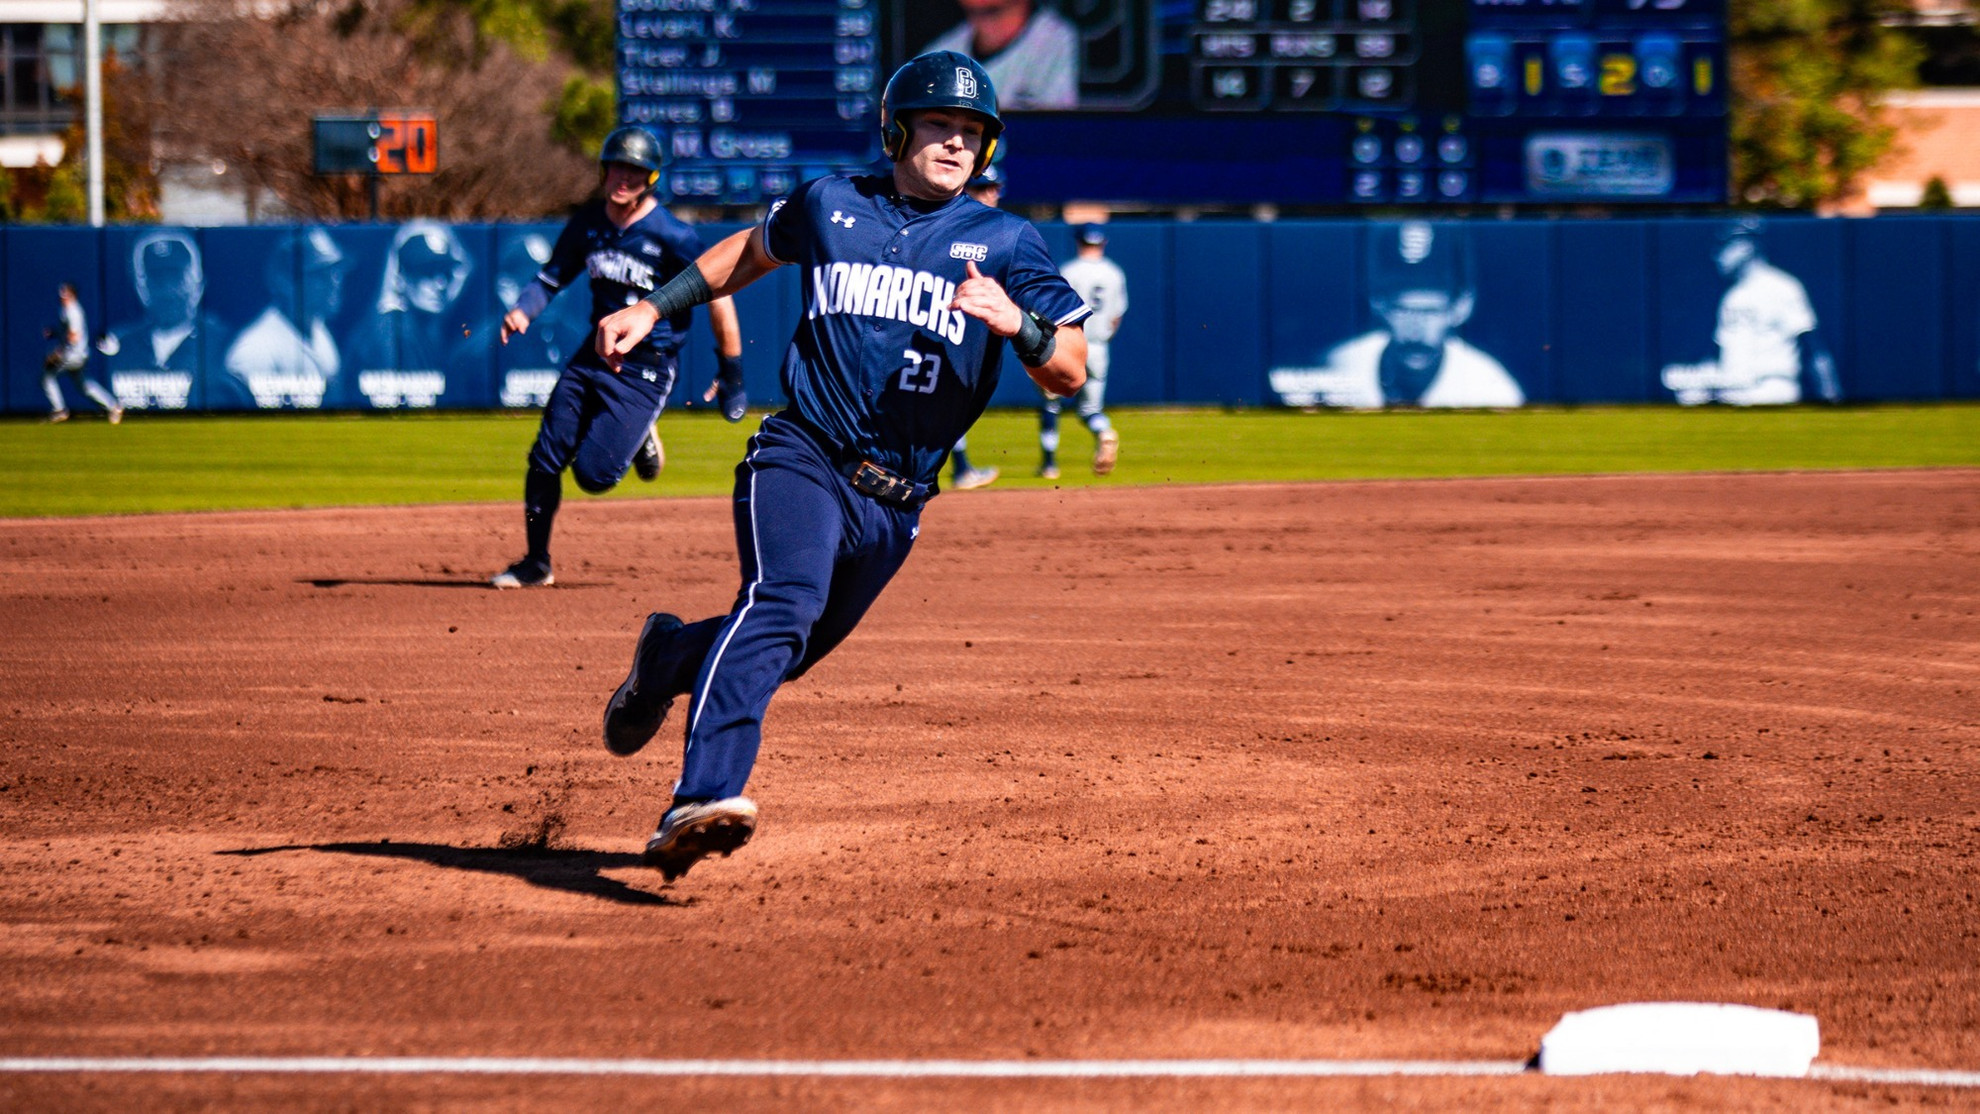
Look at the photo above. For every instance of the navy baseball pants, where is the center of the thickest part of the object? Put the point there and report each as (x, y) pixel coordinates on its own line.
(595, 420)
(592, 424)
(815, 555)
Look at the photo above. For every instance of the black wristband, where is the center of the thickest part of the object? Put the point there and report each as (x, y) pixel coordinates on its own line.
(729, 369)
(687, 290)
(1035, 340)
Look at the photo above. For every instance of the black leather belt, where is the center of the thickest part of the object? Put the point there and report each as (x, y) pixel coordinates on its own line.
(880, 484)
(871, 480)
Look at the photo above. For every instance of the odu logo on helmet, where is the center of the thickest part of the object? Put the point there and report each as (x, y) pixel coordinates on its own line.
(943, 79)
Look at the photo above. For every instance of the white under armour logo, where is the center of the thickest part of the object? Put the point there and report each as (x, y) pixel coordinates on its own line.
(965, 82)
(840, 218)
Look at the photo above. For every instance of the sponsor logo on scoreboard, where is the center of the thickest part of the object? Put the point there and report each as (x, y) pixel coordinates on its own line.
(1599, 164)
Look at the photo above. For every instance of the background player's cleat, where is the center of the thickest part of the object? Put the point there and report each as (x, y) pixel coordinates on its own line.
(116, 415)
(692, 832)
(58, 416)
(651, 456)
(636, 711)
(523, 574)
(975, 478)
(1048, 472)
(1107, 452)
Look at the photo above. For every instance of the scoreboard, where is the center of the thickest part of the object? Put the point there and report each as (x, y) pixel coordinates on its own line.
(1318, 102)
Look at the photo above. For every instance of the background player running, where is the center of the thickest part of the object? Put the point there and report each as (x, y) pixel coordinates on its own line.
(599, 419)
(1101, 284)
(910, 293)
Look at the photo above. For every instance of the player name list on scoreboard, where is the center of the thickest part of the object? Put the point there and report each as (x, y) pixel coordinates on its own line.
(750, 97)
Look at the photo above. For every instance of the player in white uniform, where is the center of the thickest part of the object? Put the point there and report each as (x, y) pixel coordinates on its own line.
(1103, 287)
(1420, 285)
(1765, 321)
(69, 357)
(1031, 53)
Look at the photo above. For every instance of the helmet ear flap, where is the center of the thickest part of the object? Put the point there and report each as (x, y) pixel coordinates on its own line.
(893, 137)
(989, 152)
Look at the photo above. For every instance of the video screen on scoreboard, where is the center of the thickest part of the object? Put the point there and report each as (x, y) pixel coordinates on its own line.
(1323, 102)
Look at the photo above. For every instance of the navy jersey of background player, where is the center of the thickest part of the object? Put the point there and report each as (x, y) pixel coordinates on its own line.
(624, 265)
(879, 271)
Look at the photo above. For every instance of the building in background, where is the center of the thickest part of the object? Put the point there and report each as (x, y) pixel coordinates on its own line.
(1938, 124)
(1938, 137)
(41, 68)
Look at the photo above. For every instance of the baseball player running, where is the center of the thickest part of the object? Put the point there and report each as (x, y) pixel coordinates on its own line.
(1100, 282)
(599, 419)
(70, 356)
(910, 293)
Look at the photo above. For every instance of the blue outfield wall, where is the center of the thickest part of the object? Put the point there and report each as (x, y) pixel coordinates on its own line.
(1236, 313)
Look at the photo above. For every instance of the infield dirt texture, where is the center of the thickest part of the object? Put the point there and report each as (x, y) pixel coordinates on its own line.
(1350, 770)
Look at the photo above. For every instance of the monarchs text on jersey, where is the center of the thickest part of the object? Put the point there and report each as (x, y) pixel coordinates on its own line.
(880, 363)
(624, 265)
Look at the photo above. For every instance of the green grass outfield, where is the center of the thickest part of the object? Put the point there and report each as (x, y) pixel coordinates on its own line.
(151, 463)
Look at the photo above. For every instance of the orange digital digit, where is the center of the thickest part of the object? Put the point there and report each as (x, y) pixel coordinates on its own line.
(422, 149)
(391, 145)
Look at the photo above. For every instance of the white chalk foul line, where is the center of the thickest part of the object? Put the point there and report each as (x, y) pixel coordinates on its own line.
(864, 1069)
(878, 1069)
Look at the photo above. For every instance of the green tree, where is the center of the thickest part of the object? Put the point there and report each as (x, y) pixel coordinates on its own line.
(1808, 82)
(578, 34)
(59, 194)
(1936, 196)
(519, 117)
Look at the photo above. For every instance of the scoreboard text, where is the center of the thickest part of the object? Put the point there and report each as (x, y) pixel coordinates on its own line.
(1213, 101)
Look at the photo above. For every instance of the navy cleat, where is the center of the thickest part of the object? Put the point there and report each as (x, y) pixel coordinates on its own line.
(651, 456)
(690, 833)
(636, 711)
(525, 573)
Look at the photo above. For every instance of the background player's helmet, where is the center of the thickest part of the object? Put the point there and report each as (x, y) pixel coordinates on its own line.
(943, 79)
(633, 146)
(1091, 235)
(990, 177)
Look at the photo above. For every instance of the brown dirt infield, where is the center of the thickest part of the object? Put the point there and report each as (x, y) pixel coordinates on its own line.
(1326, 771)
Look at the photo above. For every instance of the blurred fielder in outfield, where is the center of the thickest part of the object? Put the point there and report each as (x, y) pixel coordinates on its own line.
(1103, 287)
(70, 357)
(1420, 286)
(1766, 335)
(911, 292)
(600, 416)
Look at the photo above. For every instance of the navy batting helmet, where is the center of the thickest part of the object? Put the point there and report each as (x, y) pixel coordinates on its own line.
(943, 79)
(633, 146)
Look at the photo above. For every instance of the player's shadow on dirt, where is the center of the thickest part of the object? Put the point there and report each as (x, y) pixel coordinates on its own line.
(571, 871)
(392, 582)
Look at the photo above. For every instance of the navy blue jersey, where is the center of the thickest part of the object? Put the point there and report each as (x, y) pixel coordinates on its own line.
(879, 362)
(625, 265)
